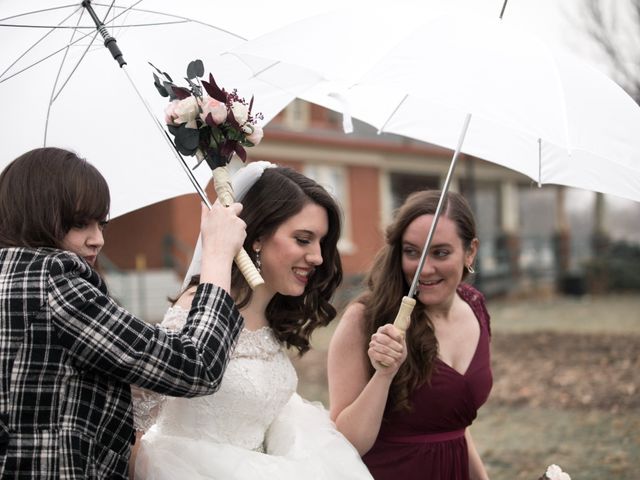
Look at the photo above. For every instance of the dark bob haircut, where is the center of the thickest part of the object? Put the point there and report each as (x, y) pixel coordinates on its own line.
(45, 192)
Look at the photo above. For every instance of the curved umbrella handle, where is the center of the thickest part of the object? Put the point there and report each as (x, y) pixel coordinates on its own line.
(222, 185)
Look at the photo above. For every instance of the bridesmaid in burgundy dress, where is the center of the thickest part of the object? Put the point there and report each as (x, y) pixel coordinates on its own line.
(409, 419)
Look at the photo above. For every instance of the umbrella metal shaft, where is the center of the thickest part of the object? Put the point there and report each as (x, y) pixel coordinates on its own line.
(165, 135)
(436, 216)
(112, 45)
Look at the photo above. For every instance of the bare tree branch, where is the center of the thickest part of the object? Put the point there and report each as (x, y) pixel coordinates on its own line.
(604, 28)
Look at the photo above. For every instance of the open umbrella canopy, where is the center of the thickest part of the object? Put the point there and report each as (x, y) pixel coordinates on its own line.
(534, 109)
(60, 87)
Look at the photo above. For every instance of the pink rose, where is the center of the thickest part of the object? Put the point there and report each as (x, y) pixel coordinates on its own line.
(255, 135)
(218, 110)
(170, 114)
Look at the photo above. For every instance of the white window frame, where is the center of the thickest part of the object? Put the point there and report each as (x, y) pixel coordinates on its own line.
(334, 178)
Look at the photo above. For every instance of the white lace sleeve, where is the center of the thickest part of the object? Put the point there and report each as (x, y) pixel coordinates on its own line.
(147, 404)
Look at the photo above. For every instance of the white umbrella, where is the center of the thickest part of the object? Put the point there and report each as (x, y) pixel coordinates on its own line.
(472, 84)
(57, 77)
(534, 109)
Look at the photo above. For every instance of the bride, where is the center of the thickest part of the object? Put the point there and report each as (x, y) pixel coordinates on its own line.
(256, 426)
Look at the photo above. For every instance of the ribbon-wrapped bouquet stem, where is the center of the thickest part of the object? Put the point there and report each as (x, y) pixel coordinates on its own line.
(211, 124)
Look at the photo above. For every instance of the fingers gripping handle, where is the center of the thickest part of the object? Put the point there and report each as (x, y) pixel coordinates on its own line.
(222, 185)
(403, 318)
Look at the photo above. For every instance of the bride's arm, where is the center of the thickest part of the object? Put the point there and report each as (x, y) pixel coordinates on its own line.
(147, 404)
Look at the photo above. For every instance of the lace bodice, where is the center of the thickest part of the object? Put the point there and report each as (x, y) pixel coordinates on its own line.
(258, 382)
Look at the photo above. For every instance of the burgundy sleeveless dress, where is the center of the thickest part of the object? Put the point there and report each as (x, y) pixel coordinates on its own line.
(428, 442)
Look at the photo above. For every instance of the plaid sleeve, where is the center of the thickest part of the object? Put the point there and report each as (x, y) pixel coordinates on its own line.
(101, 336)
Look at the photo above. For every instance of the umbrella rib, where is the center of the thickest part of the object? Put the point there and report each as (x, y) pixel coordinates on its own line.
(89, 27)
(563, 103)
(130, 8)
(125, 9)
(185, 19)
(54, 95)
(46, 57)
(259, 72)
(539, 162)
(84, 54)
(33, 46)
(84, 35)
(39, 11)
(395, 110)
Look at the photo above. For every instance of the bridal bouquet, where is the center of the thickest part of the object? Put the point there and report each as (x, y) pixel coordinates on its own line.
(207, 121)
(212, 124)
(554, 472)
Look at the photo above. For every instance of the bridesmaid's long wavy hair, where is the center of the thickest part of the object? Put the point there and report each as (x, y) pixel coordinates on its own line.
(387, 285)
(279, 194)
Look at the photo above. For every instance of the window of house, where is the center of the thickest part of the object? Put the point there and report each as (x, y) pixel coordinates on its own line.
(297, 115)
(334, 179)
(403, 184)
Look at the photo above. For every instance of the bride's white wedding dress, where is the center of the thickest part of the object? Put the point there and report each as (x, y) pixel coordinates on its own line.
(254, 427)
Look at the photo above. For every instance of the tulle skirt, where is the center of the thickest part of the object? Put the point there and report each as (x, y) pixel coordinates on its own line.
(301, 443)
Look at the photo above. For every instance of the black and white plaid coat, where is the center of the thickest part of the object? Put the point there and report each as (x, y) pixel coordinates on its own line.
(68, 354)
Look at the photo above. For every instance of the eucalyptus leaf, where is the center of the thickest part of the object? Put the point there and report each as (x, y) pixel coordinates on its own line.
(200, 68)
(161, 90)
(188, 139)
(195, 69)
(156, 69)
(169, 88)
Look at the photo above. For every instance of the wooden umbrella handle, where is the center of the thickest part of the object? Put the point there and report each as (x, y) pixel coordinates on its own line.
(222, 184)
(403, 318)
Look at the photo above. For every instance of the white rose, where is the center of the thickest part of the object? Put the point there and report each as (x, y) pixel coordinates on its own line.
(554, 472)
(186, 111)
(240, 112)
(255, 135)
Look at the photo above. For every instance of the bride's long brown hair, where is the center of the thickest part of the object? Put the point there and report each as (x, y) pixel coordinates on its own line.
(387, 285)
(279, 194)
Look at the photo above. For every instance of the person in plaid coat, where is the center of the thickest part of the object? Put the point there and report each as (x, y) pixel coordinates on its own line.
(68, 352)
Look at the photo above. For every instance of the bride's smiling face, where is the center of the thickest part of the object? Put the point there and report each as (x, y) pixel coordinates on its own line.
(290, 256)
